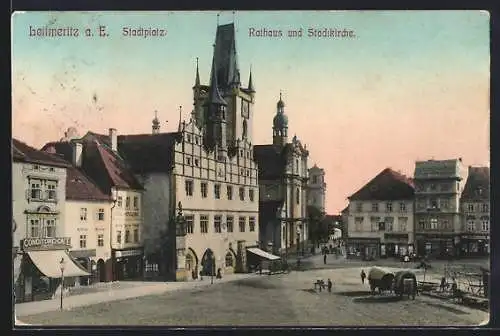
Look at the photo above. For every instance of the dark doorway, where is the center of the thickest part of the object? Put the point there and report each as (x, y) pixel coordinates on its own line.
(101, 271)
(207, 263)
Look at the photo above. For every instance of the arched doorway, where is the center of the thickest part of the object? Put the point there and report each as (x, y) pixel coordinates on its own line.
(84, 263)
(191, 263)
(101, 271)
(230, 261)
(208, 262)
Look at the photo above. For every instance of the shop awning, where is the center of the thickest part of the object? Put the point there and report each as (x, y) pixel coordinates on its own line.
(49, 263)
(262, 254)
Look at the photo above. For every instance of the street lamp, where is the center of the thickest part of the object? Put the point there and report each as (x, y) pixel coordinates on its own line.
(61, 265)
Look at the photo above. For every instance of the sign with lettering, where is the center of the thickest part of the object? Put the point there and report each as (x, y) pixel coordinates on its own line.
(56, 243)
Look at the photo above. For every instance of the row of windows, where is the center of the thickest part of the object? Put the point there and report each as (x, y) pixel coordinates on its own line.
(127, 236)
(189, 186)
(197, 140)
(471, 225)
(218, 225)
(434, 224)
(382, 224)
(196, 163)
(434, 187)
(83, 240)
(84, 212)
(388, 207)
(433, 203)
(43, 190)
(483, 207)
(42, 228)
(119, 202)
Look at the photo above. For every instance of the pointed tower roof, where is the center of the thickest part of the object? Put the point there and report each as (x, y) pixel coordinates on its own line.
(197, 80)
(214, 96)
(225, 56)
(156, 121)
(250, 83)
(280, 103)
(280, 120)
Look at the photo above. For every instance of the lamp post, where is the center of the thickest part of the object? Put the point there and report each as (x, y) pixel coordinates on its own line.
(212, 268)
(180, 232)
(61, 265)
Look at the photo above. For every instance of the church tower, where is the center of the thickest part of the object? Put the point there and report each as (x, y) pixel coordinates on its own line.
(239, 100)
(156, 124)
(280, 125)
(199, 96)
(215, 117)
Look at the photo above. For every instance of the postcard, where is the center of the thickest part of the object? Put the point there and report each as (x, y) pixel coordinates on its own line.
(264, 168)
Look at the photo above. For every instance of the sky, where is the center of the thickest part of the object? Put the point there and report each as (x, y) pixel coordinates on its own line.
(407, 86)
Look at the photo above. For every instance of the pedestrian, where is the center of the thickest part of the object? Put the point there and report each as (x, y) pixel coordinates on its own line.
(443, 284)
(324, 259)
(330, 285)
(201, 275)
(363, 276)
(219, 274)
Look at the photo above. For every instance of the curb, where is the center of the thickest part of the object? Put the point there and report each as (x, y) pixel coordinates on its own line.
(448, 300)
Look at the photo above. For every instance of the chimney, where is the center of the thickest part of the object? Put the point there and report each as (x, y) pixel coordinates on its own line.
(113, 138)
(77, 154)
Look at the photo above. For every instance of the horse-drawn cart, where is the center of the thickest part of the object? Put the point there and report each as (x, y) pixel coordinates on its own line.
(381, 279)
(405, 282)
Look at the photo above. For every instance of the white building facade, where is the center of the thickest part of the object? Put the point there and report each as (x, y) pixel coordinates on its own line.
(316, 192)
(380, 218)
(40, 239)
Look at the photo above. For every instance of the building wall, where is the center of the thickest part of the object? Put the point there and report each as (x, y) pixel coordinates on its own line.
(193, 165)
(83, 219)
(22, 202)
(476, 217)
(316, 188)
(156, 205)
(126, 218)
(369, 227)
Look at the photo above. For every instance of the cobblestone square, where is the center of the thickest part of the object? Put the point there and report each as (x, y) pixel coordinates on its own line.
(276, 300)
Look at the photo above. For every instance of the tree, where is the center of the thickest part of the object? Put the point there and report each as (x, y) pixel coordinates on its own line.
(318, 227)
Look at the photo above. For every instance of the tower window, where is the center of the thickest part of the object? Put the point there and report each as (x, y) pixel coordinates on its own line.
(245, 128)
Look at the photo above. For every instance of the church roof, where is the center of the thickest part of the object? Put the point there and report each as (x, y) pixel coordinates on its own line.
(24, 153)
(386, 186)
(271, 160)
(477, 186)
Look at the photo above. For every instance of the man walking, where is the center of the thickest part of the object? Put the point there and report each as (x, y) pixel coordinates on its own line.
(363, 276)
(324, 259)
(330, 285)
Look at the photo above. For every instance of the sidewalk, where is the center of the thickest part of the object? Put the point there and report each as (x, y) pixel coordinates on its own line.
(144, 289)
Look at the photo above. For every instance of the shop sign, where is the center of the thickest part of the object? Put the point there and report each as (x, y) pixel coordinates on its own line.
(56, 243)
(127, 253)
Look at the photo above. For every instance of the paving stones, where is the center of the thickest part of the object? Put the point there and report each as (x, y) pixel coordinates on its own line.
(283, 299)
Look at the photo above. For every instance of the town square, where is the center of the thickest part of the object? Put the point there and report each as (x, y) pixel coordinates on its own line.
(209, 177)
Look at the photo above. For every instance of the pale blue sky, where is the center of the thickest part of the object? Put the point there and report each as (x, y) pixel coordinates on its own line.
(390, 96)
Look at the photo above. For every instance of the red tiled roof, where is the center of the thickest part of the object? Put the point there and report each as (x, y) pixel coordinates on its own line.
(23, 152)
(148, 153)
(106, 168)
(477, 186)
(387, 185)
(81, 188)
